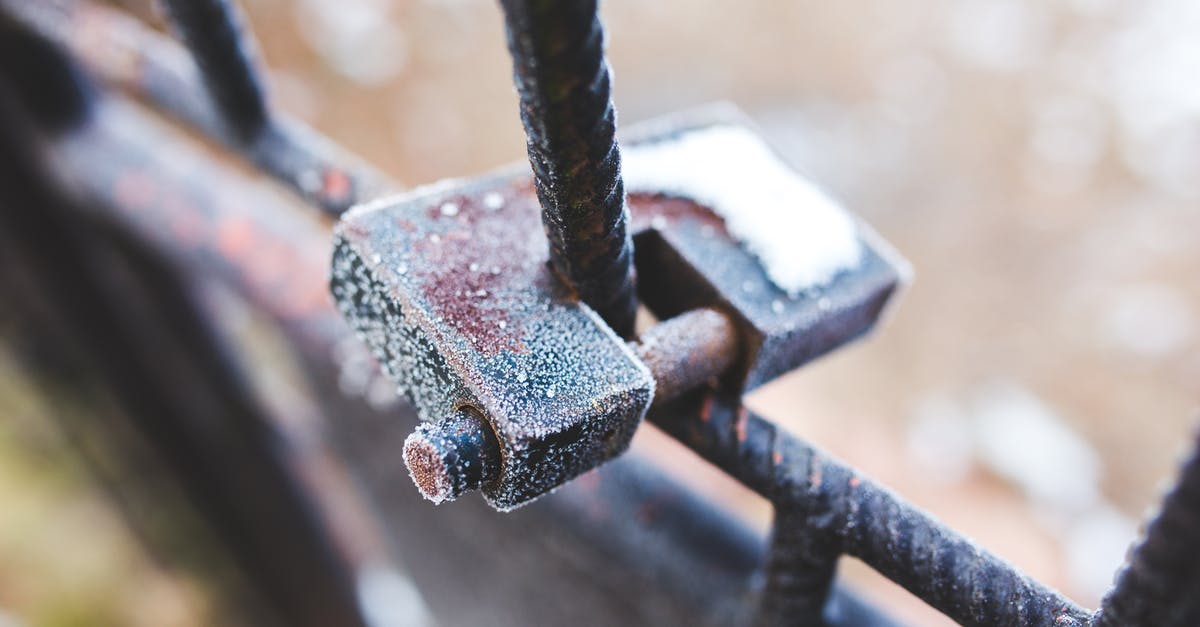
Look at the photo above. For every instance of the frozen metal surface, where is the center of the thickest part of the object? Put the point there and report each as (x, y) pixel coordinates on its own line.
(686, 259)
(450, 287)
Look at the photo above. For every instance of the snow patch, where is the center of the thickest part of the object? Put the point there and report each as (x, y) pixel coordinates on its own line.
(800, 234)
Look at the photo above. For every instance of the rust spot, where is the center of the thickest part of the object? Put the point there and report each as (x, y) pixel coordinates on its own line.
(335, 185)
(649, 211)
(650, 511)
(706, 408)
(472, 268)
(135, 189)
(740, 426)
(777, 458)
(235, 237)
(854, 482)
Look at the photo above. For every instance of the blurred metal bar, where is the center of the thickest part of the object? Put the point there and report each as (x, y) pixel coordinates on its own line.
(120, 50)
(1160, 584)
(213, 32)
(570, 124)
(136, 326)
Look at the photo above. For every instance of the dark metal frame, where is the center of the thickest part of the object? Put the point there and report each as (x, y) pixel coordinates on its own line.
(108, 270)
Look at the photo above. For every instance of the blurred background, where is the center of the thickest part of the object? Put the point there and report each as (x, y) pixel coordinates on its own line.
(1037, 161)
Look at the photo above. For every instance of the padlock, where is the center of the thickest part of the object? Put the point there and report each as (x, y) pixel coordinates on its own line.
(522, 386)
(450, 287)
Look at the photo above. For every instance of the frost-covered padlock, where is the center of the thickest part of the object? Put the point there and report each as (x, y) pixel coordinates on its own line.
(450, 287)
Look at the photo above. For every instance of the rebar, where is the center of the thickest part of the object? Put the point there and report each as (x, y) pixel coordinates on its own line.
(829, 508)
(570, 125)
(212, 31)
(1160, 584)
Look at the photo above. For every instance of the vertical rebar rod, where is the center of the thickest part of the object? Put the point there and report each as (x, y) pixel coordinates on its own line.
(212, 31)
(1160, 584)
(570, 124)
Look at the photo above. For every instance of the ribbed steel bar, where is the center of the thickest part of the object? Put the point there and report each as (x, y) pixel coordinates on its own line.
(841, 511)
(212, 31)
(570, 124)
(1160, 584)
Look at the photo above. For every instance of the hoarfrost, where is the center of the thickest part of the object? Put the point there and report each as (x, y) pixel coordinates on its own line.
(801, 235)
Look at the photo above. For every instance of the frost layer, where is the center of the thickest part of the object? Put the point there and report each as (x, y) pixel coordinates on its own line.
(802, 236)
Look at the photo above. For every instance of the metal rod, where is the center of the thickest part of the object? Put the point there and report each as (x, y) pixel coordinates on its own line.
(570, 124)
(119, 50)
(212, 31)
(453, 456)
(841, 511)
(1160, 584)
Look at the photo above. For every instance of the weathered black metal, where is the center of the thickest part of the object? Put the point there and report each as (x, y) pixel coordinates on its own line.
(126, 53)
(824, 507)
(687, 259)
(137, 329)
(1160, 583)
(624, 545)
(55, 93)
(449, 286)
(212, 31)
(840, 511)
(453, 456)
(443, 280)
(570, 123)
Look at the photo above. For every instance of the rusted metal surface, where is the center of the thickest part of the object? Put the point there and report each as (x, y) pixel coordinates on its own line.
(452, 456)
(1160, 583)
(687, 259)
(619, 545)
(624, 545)
(563, 82)
(123, 52)
(688, 351)
(450, 287)
(831, 509)
(459, 453)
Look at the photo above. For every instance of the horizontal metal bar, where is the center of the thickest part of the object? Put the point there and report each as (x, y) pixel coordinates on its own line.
(841, 510)
(128, 54)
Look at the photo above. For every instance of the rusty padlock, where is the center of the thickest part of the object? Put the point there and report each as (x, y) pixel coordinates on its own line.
(522, 386)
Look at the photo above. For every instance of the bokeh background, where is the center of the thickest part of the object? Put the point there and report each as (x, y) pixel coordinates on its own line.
(1038, 162)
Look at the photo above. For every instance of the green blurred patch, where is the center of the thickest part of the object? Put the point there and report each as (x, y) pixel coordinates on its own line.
(66, 558)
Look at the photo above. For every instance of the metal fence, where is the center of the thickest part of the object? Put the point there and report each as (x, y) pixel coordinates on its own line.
(111, 271)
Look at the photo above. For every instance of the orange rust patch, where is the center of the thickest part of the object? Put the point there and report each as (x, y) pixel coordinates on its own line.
(335, 185)
(235, 237)
(706, 408)
(742, 416)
